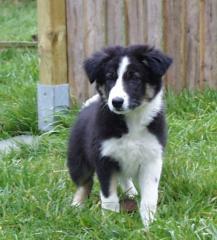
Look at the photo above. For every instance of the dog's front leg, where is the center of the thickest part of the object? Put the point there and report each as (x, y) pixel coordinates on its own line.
(128, 187)
(110, 201)
(149, 176)
(108, 179)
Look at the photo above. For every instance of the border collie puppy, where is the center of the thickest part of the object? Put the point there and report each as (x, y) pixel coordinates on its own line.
(121, 133)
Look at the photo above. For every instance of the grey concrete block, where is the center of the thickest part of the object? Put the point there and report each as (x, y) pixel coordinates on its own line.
(51, 99)
(61, 99)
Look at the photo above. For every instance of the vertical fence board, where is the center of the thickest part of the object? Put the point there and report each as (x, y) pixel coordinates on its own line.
(175, 36)
(202, 42)
(136, 21)
(94, 30)
(210, 71)
(77, 80)
(52, 42)
(208, 39)
(115, 22)
(155, 23)
(192, 47)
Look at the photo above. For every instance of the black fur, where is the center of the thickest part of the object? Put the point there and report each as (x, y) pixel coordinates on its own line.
(159, 128)
(85, 140)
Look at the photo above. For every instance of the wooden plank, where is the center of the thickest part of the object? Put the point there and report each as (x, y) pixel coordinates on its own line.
(94, 31)
(136, 20)
(76, 54)
(202, 43)
(52, 41)
(174, 45)
(86, 34)
(192, 47)
(210, 70)
(165, 36)
(155, 22)
(115, 22)
(13, 44)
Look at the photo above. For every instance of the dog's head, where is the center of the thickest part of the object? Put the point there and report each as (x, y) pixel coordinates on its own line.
(127, 77)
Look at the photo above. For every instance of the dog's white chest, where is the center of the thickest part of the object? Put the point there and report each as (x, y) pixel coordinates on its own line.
(132, 150)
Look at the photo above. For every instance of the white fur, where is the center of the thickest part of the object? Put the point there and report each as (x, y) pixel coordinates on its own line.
(89, 101)
(118, 89)
(149, 176)
(144, 114)
(149, 91)
(140, 154)
(132, 150)
(79, 196)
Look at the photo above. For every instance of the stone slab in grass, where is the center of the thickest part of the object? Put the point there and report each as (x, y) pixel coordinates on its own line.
(14, 143)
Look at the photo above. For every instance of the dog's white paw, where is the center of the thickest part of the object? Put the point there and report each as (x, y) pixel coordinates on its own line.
(110, 203)
(76, 204)
(147, 213)
(128, 187)
(132, 192)
(112, 206)
(79, 197)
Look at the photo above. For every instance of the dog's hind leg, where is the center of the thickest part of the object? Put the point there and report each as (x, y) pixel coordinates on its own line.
(82, 175)
(83, 191)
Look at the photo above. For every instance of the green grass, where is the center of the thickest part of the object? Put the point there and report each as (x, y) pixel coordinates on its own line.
(18, 21)
(35, 188)
(18, 71)
(18, 78)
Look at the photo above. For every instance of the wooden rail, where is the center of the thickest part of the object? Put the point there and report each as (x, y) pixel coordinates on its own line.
(17, 44)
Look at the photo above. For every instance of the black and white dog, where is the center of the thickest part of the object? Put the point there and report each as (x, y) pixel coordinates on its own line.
(121, 133)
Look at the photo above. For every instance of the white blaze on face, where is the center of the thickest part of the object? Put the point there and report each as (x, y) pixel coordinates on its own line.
(118, 89)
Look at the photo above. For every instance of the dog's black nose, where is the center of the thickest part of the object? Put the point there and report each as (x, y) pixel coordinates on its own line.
(117, 102)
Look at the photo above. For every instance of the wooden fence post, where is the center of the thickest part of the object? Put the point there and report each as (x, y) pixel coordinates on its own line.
(53, 89)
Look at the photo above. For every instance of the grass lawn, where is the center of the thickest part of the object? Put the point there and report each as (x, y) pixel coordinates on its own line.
(18, 69)
(35, 188)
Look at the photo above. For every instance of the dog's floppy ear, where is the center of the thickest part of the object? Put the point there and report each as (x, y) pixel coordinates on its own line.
(155, 60)
(93, 65)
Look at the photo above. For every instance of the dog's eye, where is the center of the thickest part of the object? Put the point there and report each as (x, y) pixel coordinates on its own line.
(129, 74)
(111, 75)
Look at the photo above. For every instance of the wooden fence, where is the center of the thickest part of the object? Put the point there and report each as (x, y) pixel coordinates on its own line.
(185, 29)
